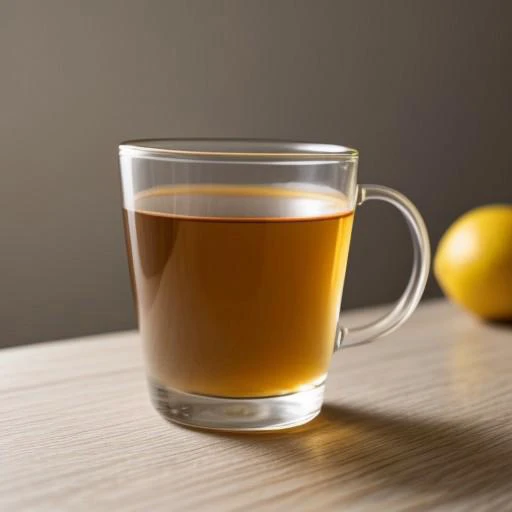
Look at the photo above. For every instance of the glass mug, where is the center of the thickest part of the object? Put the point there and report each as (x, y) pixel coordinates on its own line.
(238, 251)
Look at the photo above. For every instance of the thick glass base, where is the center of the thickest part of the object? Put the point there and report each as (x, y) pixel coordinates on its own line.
(237, 414)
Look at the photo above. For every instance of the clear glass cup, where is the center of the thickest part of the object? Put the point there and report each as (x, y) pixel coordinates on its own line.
(238, 251)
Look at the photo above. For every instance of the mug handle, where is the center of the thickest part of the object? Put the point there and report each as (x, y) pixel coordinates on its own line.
(420, 267)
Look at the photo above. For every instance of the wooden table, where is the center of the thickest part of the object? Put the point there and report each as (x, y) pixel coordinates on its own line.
(421, 420)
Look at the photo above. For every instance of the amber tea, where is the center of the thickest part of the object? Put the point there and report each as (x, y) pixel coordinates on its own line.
(238, 289)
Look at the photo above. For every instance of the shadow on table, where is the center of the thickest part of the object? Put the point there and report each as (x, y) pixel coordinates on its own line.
(500, 324)
(347, 443)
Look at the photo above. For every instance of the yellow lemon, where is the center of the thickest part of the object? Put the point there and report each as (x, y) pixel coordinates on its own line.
(473, 263)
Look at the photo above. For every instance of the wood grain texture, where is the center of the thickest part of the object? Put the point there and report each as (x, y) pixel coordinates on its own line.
(421, 420)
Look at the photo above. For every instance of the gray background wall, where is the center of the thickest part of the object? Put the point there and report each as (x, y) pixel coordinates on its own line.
(422, 88)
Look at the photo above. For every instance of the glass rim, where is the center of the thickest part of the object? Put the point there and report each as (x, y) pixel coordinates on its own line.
(236, 149)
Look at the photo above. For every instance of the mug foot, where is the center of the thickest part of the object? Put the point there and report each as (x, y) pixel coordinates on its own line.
(237, 414)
